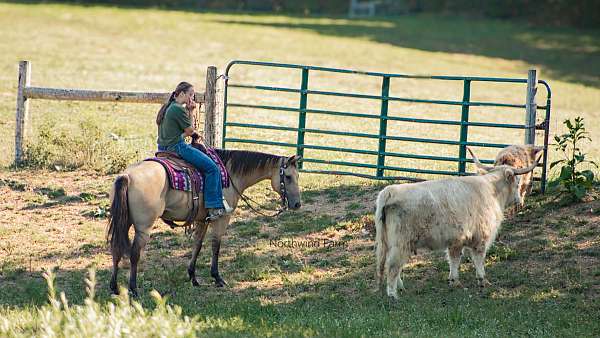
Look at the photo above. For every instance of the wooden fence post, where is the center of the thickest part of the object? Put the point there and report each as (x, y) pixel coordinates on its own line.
(531, 106)
(219, 112)
(210, 116)
(22, 116)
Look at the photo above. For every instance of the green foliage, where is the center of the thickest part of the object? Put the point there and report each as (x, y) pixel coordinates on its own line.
(88, 147)
(123, 317)
(575, 183)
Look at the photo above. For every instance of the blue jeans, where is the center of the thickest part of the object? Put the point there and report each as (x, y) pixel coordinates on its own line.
(213, 193)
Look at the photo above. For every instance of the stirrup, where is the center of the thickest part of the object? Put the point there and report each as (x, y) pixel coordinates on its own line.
(214, 214)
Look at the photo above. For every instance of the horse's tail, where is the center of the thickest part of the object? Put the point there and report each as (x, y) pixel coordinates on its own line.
(381, 245)
(118, 220)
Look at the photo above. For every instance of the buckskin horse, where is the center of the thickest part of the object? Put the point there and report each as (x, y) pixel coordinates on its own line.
(142, 194)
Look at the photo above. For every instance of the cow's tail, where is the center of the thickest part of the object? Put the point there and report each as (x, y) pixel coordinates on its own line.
(381, 243)
(118, 220)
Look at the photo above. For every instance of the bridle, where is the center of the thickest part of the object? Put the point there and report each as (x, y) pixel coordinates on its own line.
(282, 193)
(282, 188)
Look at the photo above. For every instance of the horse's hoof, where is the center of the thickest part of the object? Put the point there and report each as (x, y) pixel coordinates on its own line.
(133, 293)
(220, 283)
(195, 282)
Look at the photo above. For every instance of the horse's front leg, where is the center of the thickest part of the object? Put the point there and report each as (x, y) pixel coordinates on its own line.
(199, 234)
(218, 230)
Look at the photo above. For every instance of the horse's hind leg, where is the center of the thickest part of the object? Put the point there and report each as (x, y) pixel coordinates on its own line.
(116, 258)
(199, 237)
(218, 230)
(139, 242)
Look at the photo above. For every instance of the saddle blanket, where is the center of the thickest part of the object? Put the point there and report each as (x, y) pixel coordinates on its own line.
(179, 178)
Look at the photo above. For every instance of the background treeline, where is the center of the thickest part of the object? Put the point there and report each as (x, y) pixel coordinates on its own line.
(578, 13)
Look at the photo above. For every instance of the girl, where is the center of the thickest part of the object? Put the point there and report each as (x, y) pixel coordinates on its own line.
(174, 123)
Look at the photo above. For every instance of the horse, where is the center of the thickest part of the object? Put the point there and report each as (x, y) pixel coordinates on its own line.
(142, 193)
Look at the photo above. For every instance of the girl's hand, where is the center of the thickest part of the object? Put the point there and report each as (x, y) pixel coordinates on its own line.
(191, 104)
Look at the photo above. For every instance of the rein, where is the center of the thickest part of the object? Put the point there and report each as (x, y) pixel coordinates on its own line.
(282, 194)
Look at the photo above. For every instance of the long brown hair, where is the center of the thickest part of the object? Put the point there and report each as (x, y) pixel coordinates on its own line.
(181, 87)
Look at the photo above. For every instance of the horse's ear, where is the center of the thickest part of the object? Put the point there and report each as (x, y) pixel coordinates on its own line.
(293, 160)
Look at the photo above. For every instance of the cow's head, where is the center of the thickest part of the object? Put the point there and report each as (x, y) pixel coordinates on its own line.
(509, 177)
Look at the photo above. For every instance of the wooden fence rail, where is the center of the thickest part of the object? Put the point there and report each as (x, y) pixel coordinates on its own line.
(25, 92)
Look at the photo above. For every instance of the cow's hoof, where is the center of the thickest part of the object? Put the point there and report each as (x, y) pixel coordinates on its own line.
(484, 283)
(393, 295)
(455, 283)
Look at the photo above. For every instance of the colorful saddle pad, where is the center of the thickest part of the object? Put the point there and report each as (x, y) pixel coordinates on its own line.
(179, 175)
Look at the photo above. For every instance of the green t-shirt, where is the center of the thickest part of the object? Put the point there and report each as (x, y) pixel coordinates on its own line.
(175, 121)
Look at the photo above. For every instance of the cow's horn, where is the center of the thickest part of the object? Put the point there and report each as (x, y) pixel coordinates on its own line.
(522, 171)
(477, 163)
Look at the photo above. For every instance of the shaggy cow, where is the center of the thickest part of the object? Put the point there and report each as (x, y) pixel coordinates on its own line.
(451, 214)
(519, 156)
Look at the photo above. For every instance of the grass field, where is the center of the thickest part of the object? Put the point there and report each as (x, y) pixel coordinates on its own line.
(544, 267)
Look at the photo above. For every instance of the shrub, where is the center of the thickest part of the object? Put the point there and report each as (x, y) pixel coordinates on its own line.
(573, 182)
(90, 147)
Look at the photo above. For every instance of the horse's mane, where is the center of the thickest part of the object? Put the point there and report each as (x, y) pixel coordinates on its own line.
(244, 162)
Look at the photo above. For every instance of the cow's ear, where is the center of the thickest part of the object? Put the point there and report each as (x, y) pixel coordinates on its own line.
(535, 151)
(509, 175)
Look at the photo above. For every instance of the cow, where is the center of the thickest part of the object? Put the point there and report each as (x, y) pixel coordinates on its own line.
(519, 156)
(450, 214)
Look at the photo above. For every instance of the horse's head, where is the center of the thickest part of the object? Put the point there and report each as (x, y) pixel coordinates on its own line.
(285, 182)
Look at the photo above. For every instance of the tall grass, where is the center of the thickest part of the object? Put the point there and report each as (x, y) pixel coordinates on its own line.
(89, 147)
(120, 318)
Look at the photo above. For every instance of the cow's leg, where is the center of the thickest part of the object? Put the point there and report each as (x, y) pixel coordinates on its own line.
(478, 256)
(199, 237)
(454, 254)
(395, 260)
(526, 185)
(139, 242)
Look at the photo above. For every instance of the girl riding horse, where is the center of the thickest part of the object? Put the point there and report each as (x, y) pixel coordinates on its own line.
(174, 122)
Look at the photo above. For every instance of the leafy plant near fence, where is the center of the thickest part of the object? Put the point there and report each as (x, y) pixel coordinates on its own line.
(89, 147)
(573, 182)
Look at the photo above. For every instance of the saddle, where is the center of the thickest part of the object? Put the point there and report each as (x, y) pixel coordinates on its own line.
(177, 164)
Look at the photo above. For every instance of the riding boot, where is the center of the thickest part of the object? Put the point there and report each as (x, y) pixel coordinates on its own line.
(228, 209)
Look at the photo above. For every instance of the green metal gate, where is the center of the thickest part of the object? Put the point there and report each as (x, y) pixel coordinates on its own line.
(380, 169)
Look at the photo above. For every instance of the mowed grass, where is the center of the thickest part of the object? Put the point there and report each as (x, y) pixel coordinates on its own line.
(544, 267)
(152, 50)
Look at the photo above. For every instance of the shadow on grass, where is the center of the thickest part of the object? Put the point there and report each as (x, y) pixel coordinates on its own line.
(20, 287)
(566, 54)
(54, 202)
(331, 292)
